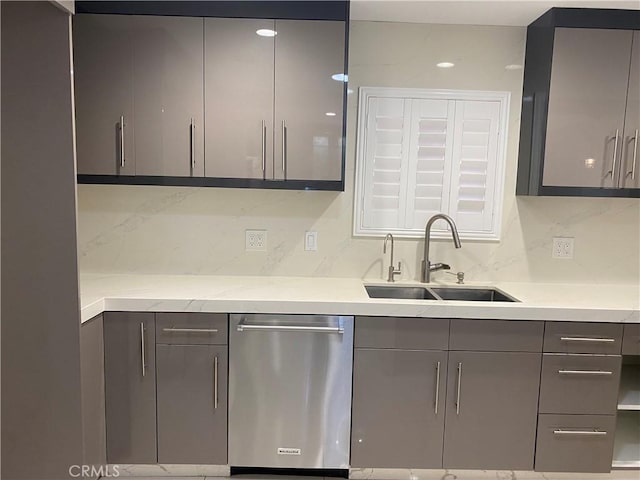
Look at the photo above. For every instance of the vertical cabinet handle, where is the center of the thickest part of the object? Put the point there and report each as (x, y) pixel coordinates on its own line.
(632, 172)
(121, 129)
(615, 156)
(458, 388)
(437, 398)
(215, 382)
(143, 353)
(263, 130)
(284, 149)
(192, 140)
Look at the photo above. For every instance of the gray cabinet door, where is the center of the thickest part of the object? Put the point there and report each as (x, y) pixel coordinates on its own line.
(130, 387)
(589, 76)
(168, 95)
(92, 392)
(103, 73)
(239, 98)
(630, 170)
(308, 101)
(398, 408)
(192, 404)
(491, 412)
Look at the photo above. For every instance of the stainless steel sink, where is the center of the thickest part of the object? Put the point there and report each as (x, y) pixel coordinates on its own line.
(412, 293)
(471, 294)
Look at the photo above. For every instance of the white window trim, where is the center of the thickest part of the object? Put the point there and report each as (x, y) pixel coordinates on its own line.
(419, 93)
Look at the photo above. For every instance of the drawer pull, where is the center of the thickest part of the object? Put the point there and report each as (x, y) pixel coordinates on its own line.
(588, 433)
(588, 339)
(585, 372)
(190, 330)
(437, 399)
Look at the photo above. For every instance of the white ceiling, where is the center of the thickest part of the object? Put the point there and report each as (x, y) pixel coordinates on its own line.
(470, 12)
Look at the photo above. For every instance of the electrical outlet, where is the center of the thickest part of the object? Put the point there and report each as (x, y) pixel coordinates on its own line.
(311, 241)
(562, 247)
(255, 240)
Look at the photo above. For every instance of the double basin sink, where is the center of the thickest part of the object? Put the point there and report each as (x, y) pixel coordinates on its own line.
(473, 294)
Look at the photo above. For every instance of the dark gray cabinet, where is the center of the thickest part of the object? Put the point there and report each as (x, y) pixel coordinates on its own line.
(399, 381)
(192, 369)
(578, 396)
(130, 387)
(398, 408)
(491, 410)
(192, 404)
(139, 95)
(92, 392)
(580, 105)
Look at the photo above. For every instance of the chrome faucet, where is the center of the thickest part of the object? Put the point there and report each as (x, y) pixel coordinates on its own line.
(392, 270)
(427, 267)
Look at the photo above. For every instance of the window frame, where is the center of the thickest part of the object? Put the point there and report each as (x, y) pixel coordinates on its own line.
(365, 93)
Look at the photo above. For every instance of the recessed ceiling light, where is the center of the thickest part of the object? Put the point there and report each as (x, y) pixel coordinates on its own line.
(445, 65)
(340, 77)
(513, 66)
(330, 114)
(266, 32)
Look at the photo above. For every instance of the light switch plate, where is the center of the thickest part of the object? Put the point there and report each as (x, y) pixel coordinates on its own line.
(311, 241)
(255, 240)
(562, 247)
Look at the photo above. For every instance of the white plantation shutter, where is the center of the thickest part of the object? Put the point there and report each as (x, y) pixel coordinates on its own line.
(475, 151)
(422, 152)
(385, 188)
(429, 169)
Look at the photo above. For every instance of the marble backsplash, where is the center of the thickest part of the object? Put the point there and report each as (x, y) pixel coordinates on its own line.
(141, 229)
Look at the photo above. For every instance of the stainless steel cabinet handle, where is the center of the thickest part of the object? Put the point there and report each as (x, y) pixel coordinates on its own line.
(585, 372)
(264, 149)
(284, 149)
(594, 433)
(143, 353)
(632, 172)
(121, 128)
(615, 156)
(190, 330)
(290, 328)
(588, 339)
(192, 138)
(215, 382)
(437, 399)
(458, 388)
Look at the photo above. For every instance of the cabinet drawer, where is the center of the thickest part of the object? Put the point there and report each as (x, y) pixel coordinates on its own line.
(579, 384)
(496, 335)
(631, 339)
(191, 328)
(402, 333)
(575, 443)
(572, 337)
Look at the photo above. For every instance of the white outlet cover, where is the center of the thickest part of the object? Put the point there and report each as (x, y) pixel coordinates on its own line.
(562, 247)
(255, 240)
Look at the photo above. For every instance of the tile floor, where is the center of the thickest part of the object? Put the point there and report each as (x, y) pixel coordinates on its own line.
(437, 475)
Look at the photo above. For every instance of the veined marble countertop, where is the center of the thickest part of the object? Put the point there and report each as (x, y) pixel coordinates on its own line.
(347, 296)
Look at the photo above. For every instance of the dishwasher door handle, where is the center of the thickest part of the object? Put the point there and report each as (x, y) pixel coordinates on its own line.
(288, 328)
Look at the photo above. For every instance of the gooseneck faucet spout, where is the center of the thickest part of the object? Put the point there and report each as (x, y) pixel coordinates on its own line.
(392, 270)
(427, 267)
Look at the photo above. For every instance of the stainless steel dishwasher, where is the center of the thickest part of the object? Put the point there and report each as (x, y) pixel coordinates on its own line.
(290, 391)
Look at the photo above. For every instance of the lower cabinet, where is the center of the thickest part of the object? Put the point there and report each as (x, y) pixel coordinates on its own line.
(398, 408)
(491, 412)
(192, 404)
(130, 387)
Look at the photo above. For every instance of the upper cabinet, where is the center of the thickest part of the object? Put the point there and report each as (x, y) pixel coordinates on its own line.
(139, 95)
(273, 110)
(580, 113)
(238, 102)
